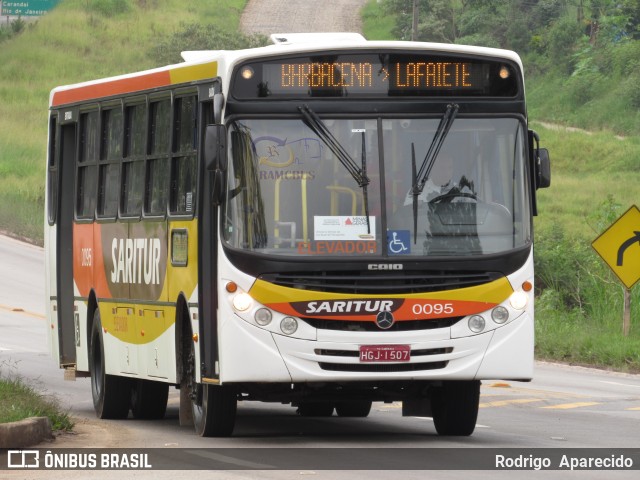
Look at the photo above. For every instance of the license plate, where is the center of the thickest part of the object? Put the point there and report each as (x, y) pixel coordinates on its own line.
(385, 353)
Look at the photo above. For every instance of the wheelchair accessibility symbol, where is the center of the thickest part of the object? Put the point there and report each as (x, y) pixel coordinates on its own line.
(399, 242)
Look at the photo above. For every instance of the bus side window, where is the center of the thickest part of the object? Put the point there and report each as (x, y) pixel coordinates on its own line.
(110, 159)
(89, 152)
(133, 166)
(52, 200)
(183, 168)
(157, 174)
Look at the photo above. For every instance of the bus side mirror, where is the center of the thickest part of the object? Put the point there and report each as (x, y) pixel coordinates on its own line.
(543, 168)
(215, 160)
(215, 148)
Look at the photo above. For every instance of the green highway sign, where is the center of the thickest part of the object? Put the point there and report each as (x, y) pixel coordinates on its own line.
(27, 8)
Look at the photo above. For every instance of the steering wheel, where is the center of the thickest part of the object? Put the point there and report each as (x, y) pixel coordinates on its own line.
(447, 197)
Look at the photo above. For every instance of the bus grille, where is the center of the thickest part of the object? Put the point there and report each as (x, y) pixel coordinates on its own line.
(382, 368)
(398, 326)
(376, 282)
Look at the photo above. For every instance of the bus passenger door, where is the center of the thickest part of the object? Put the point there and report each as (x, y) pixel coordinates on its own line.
(207, 246)
(64, 245)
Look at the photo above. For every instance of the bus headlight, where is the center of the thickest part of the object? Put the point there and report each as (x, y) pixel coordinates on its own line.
(242, 302)
(518, 300)
(288, 325)
(500, 315)
(476, 323)
(263, 316)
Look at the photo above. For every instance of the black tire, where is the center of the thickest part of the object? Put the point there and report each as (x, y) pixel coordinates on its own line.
(111, 394)
(215, 414)
(455, 407)
(149, 399)
(357, 408)
(213, 406)
(315, 409)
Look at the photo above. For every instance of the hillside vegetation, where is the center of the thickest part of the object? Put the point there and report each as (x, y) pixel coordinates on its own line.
(582, 63)
(582, 66)
(78, 41)
(582, 57)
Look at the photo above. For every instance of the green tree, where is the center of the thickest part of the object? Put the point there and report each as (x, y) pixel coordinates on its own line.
(439, 22)
(483, 23)
(18, 26)
(203, 37)
(631, 10)
(563, 36)
(403, 11)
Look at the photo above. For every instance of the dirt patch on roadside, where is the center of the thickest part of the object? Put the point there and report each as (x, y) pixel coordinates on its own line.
(88, 433)
(295, 16)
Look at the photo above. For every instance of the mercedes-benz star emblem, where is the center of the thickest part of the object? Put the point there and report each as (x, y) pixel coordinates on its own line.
(384, 320)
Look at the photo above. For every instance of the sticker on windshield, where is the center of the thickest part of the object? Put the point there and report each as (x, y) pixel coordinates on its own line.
(399, 242)
(338, 227)
(338, 247)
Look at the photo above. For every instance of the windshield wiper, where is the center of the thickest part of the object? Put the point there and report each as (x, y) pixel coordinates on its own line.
(419, 178)
(363, 171)
(359, 173)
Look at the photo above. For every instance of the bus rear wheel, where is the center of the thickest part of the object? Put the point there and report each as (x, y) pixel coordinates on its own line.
(149, 399)
(111, 394)
(315, 409)
(356, 408)
(455, 407)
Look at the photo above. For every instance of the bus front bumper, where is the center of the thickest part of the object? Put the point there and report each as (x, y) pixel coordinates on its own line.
(504, 353)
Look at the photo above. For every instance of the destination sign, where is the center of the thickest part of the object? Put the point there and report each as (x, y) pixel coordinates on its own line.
(360, 75)
(375, 75)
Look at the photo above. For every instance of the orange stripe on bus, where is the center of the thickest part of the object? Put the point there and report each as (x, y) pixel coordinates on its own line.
(182, 74)
(115, 87)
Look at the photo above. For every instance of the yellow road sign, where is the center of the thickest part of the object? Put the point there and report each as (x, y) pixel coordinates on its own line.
(619, 247)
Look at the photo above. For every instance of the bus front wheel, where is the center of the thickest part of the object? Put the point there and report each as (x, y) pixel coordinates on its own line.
(455, 407)
(213, 406)
(214, 414)
(111, 394)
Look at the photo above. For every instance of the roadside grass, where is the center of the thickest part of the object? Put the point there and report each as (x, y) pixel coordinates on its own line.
(587, 172)
(606, 104)
(19, 401)
(570, 336)
(579, 308)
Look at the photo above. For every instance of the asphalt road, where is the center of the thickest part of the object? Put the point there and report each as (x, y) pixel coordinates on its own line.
(564, 407)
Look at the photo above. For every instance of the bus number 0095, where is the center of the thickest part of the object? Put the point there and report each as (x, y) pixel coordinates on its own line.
(87, 257)
(432, 308)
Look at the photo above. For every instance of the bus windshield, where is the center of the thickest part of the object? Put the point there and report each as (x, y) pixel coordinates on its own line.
(289, 194)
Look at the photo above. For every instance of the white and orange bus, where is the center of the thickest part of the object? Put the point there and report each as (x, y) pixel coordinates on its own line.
(325, 221)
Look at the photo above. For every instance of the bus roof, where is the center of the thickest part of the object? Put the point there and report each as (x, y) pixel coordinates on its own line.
(201, 65)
